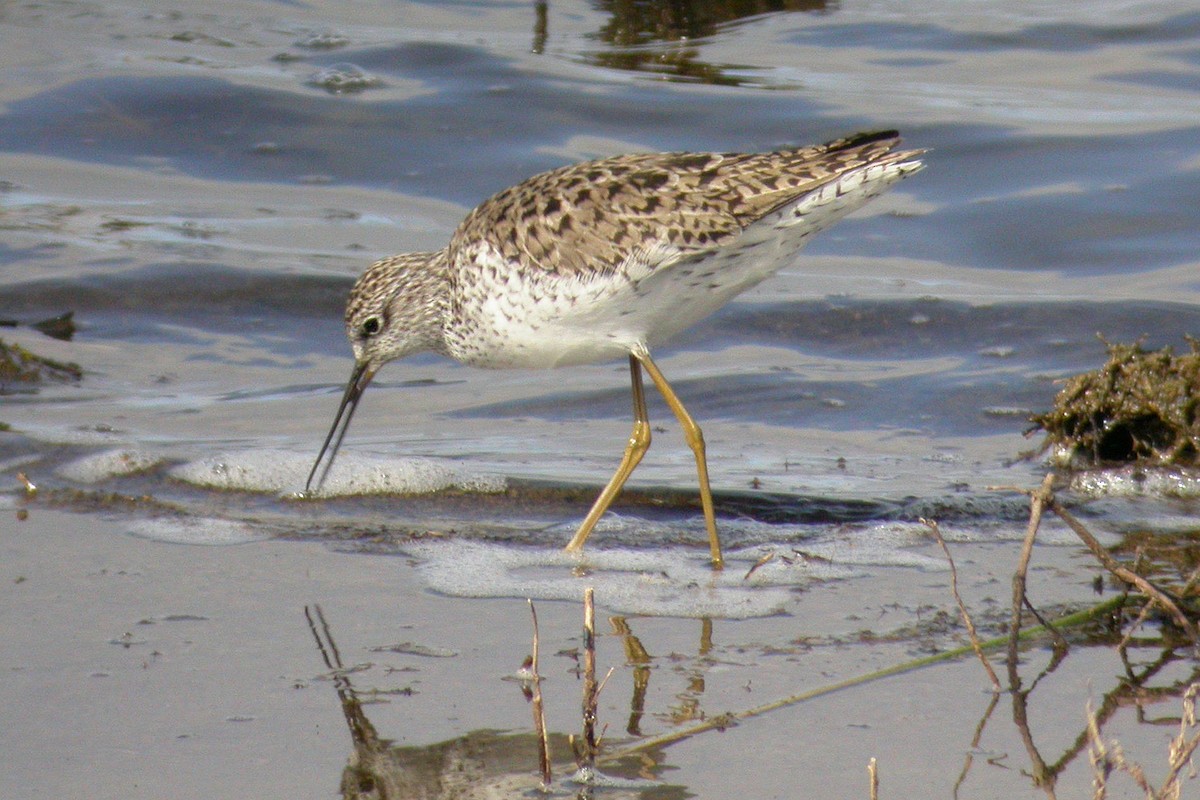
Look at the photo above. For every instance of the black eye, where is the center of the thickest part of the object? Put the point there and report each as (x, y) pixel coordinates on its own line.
(370, 326)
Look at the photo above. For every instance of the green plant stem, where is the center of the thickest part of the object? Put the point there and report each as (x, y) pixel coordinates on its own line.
(728, 720)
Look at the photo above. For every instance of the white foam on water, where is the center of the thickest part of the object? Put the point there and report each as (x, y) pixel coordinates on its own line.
(1133, 481)
(591, 777)
(885, 544)
(1124, 515)
(279, 471)
(196, 530)
(1052, 532)
(75, 436)
(634, 582)
(108, 464)
(786, 566)
(758, 580)
(862, 544)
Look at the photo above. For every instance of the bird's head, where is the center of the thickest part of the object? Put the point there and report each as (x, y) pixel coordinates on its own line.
(394, 310)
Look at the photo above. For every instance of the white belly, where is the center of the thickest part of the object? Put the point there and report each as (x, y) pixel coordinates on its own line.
(509, 316)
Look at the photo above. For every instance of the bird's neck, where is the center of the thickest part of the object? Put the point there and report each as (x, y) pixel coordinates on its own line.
(432, 283)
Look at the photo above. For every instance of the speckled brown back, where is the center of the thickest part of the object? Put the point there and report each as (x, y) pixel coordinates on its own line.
(588, 218)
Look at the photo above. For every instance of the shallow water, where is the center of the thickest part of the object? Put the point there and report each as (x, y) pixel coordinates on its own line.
(201, 186)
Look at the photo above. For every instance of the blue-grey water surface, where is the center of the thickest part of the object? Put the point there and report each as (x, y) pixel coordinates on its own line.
(188, 187)
(200, 185)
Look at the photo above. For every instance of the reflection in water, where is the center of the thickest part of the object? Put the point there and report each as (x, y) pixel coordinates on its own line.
(1168, 670)
(540, 26)
(688, 708)
(1134, 689)
(481, 764)
(1169, 674)
(469, 766)
(636, 657)
(636, 22)
(1156, 669)
(658, 35)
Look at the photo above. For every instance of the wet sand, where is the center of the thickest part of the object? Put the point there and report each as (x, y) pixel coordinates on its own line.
(138, 668)
(187, 186)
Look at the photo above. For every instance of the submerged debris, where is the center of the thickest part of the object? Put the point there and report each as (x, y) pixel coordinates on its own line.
(61, 327)
(1141, 406)
(18, 365)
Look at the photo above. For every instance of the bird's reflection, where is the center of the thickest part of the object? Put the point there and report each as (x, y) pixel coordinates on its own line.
(639, 660)
(481, 764)
(688, 708)
(661, 36)
(640, 22)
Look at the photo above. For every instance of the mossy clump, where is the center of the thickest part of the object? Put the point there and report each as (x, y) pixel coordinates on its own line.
(18, 365)
(1141, 406)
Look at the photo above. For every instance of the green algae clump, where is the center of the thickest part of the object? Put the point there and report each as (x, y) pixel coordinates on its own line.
(1140, 407)
(18, 365)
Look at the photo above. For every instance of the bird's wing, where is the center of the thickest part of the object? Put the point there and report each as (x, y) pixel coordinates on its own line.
(590, 218)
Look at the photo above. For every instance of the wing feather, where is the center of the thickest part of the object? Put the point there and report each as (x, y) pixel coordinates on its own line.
(587, 219)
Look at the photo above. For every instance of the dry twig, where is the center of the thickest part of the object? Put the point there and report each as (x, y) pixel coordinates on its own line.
(1124, 573)
(1039, 498)
(1042, 499)
(539, 713)
(585, 752)
(1109, 758)
(962, 609)
(761, 561)
(1183, 746)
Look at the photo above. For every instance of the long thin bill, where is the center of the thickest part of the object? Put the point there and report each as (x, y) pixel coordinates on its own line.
(359, 379)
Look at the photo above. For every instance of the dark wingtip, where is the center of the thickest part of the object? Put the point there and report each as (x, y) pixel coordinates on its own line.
(864, 138)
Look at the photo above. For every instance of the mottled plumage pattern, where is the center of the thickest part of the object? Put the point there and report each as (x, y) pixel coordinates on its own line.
(585, 262)
(605, 259)
(589, 217)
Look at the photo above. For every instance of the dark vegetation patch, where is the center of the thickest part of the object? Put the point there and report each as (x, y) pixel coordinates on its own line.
(1140, 406)
(21, 366)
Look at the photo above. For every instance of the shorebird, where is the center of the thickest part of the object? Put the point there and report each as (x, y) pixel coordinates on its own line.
(605, 259)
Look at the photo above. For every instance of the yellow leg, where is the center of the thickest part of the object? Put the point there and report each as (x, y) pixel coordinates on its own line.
(695, 440)
(639, 443)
